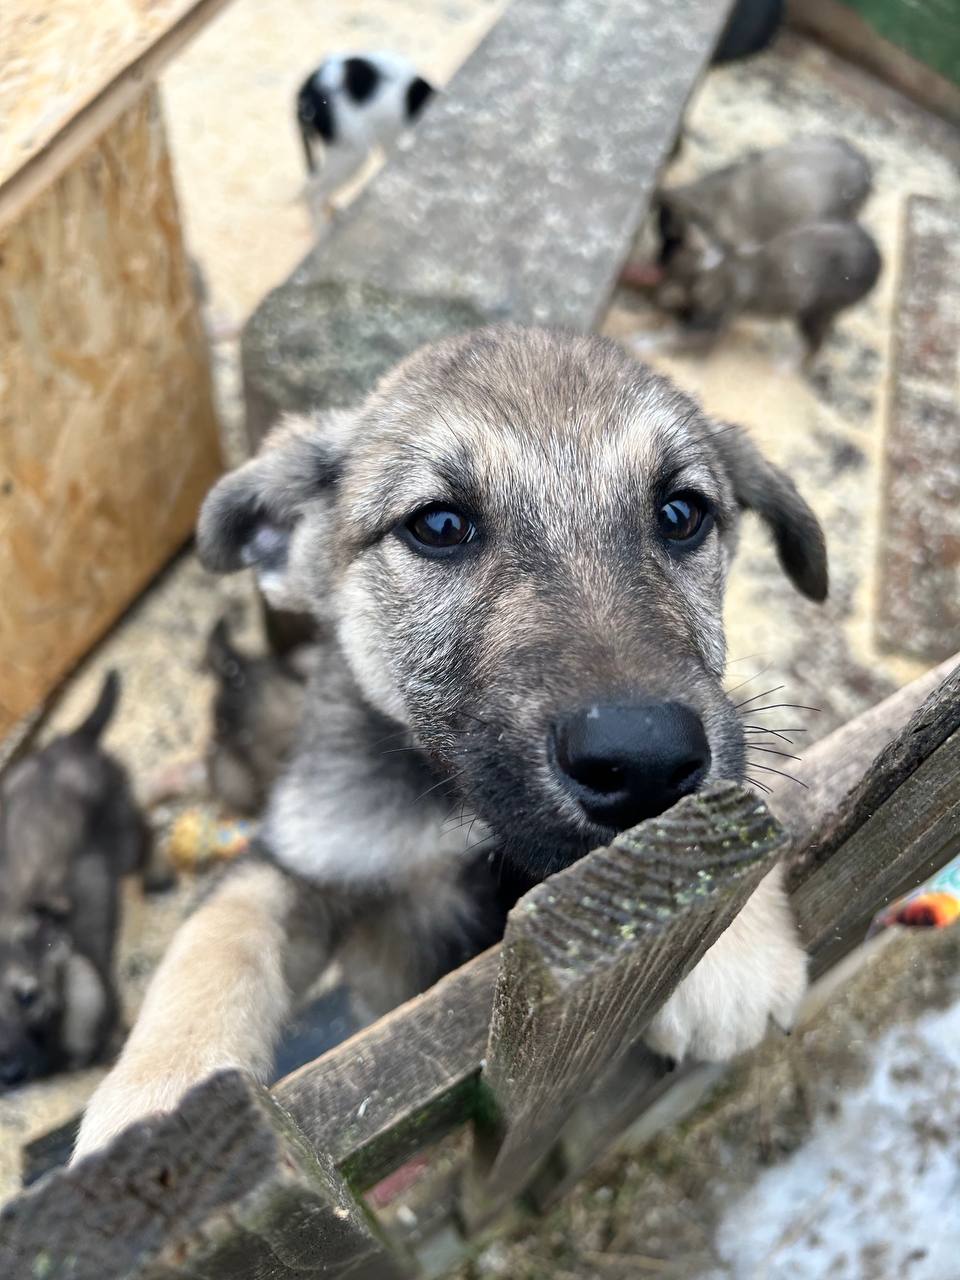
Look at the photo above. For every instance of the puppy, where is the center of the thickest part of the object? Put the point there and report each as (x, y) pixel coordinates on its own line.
(69, 829)
(810, 273)
(519, 545)
(350, 106)
(257, 708)
(747, 204)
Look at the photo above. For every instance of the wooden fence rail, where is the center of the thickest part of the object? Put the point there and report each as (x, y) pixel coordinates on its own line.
(532, 1048)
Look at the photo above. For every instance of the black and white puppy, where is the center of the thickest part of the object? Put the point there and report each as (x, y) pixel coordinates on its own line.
(352, 105)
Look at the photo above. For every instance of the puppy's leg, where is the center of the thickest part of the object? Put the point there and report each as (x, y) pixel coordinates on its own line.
(90, 1010)
(218, 1000)
(756, 970)
(814, 325)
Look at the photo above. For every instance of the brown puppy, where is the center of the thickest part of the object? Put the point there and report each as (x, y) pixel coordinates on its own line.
(519, 543)
(810, 273)
(746, 204)
(69, 829)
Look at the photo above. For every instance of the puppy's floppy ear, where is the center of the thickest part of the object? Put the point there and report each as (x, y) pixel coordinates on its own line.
(761, 487)
(249, 515)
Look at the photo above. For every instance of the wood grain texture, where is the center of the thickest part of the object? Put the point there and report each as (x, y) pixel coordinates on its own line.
(897, 845)
(386, 1093)
(882, 769)
(55, 104)
(222, 1188)
(590, 955)
(108, 439)
(835, 765)
(379, 1097)
(918, 588)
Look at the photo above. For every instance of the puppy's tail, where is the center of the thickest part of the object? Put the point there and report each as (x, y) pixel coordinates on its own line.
(102, 713)
(222, 659)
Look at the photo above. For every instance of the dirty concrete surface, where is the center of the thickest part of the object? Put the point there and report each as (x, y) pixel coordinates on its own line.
(662, 1212)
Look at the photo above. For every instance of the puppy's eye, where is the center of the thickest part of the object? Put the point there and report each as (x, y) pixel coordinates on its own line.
(683, 516)
(26, 997)
(439, 529)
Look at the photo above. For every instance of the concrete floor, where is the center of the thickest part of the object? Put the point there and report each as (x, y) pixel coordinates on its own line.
(227, 101)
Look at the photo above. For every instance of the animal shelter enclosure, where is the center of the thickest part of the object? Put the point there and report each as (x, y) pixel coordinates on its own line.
(435, 1139)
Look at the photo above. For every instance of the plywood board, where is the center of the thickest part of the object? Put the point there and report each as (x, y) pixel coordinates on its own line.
(67, 70)
(108, 438)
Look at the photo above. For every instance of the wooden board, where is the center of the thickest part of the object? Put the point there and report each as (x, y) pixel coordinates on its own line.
(929, 30)
(918, 605)
(859, 32)
(383, 1094)
(225, 1186)
(108, 439)
(67, 70)
(590, 955)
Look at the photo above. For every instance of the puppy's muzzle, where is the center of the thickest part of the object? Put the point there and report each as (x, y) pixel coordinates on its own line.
(626, 762)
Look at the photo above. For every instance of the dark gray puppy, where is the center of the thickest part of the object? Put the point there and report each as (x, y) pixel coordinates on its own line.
(69, 829)
(746, 204)
(810, 273)
(257, 708)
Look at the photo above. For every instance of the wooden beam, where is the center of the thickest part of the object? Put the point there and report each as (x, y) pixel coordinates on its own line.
(382, 1095)
(835, 765)
(43, 159)
(852, 36)
(902, 842)
(883, 766)
(223, 1187)
(590, 955)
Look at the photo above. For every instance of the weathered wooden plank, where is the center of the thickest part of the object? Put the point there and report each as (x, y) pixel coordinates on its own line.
(222, 1188)
(382, 1095)
(56, 110)
(590, 955)
(909, 836)
(416, 1070)
(918, 589)
(889, 762)
(835, 765)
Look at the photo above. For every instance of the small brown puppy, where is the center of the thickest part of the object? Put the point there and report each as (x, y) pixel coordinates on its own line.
(257, 708)
(810, 273)
(69, 828)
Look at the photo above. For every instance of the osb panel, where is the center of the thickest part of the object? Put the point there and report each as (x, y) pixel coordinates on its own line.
(56, 58)
(107, 433)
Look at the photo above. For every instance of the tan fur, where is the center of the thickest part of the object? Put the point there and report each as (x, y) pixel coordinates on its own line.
(217, 1001)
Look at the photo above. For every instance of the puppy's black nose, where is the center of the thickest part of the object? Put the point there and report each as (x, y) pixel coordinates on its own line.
(630, 761)
(13, 1070)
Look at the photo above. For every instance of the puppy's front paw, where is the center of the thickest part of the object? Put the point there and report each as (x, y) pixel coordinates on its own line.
(126, 1096)
(755, 971)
